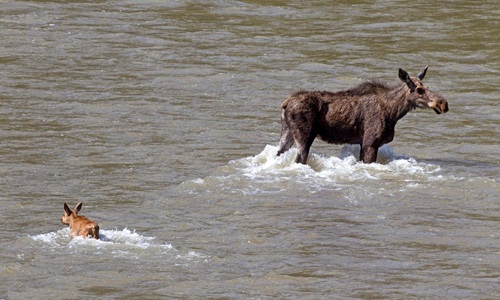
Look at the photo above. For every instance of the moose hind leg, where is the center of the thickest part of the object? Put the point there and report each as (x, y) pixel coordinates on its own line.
(303, 132)
(303, 147)
(286, 139)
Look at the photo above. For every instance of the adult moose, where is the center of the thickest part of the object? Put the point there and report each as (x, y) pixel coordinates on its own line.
(364, 115)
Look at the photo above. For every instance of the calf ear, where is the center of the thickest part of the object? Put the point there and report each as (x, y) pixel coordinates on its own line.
(421, 74)
(78, 207)
(66, 209)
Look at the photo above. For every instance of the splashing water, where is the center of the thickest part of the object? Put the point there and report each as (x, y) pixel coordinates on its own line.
(344, 167)
(267, 173)
(117, 243)
(107, 238)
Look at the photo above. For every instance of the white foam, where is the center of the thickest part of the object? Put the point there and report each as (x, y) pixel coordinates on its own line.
(52, 238)
(128, 237)
(345, 167)
(123, 243)
(107, 238)
(265, 173)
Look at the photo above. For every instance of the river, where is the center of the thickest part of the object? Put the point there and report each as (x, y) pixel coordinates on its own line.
(163, 118)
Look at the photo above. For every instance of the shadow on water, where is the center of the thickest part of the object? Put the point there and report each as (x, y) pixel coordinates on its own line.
(467, 168)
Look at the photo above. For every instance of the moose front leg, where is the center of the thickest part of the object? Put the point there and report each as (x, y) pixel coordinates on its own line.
(368, 154)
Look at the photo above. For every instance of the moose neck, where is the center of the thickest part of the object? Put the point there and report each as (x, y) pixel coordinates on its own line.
(398, 105)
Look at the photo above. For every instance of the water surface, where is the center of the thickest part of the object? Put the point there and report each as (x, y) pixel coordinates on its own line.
(163, 118)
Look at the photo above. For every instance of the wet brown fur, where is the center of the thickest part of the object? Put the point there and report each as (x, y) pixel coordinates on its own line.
(79, 225)
(364, 115)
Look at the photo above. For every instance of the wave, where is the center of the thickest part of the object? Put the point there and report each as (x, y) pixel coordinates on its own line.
(119, 243)
(124, 236)
(347, 166)
(267, 173)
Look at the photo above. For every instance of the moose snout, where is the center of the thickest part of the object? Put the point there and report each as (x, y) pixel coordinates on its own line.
(445, 106)
(440, 105)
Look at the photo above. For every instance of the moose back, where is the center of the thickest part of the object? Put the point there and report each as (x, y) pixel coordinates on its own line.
(364, 115)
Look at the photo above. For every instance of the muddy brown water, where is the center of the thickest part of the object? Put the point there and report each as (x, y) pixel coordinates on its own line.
(163, 118)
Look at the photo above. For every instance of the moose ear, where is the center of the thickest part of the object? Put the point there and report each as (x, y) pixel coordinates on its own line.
(421, 74)
(403, 75)
(66, 209)
(78, 207)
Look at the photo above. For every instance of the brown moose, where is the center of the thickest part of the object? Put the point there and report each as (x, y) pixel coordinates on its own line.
(364, 115)
(79, 225)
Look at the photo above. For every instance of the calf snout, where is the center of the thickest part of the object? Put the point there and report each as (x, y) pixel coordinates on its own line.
(65, 219)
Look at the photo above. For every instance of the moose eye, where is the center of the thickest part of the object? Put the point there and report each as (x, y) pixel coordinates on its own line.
(420, 91)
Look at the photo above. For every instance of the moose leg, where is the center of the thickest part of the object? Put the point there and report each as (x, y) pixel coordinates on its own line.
(368, 154)
(302, 154)
(304, 137)
(303, 147)
(300, 125)
(286, 139)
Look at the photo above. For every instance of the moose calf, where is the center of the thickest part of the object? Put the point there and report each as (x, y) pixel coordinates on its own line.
(79, 225)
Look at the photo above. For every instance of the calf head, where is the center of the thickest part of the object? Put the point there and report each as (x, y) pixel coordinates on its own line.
(420, 95)
(79, 225)
(70, 214)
